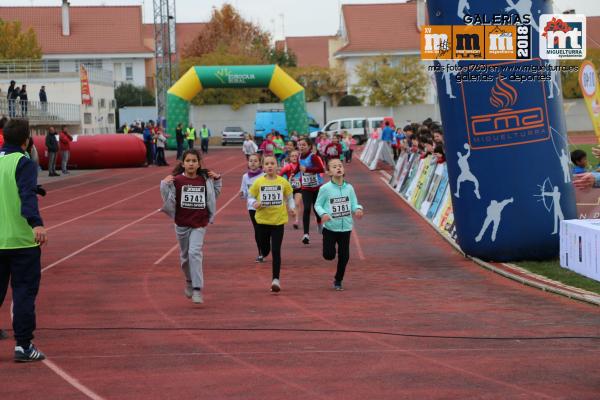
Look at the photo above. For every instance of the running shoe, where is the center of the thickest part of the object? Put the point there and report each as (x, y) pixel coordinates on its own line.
(188, 290)
(29, 355)
(260, 259)
(306, 239)
(3, 334)
(337, 285)
(197, 297)
(275, 286)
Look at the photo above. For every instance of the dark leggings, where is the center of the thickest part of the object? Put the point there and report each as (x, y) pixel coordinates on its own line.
(342, 239)
(270, 238)
(254, 225)
(309, 198)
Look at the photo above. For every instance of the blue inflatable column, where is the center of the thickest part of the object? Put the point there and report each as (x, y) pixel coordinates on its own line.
(506, 147)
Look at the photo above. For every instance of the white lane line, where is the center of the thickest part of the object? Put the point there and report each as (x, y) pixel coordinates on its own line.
(92, 193)
(72, 381)
(361, 255)
(83, 183)
(54, 264)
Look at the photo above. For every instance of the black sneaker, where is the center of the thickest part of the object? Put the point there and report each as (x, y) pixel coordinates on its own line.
(3, 334)
(337, 285)
(29, 355)
(305, 239)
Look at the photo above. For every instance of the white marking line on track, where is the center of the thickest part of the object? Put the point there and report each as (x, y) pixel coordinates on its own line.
(103, 208)
(92, 193)
(361, 255)
(54, 264)
(72, 381)
(84, 182)
(172, 249)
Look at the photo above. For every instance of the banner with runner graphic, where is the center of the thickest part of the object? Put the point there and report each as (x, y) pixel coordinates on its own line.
(506, 148)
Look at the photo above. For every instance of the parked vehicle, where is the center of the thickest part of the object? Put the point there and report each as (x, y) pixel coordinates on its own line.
(266, 120)
(232, 134)
(359, 128)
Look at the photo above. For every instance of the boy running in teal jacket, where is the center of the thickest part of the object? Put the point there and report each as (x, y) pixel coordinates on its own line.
(335, 205)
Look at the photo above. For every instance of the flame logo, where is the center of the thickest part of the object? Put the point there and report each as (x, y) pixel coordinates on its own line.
(503, 95)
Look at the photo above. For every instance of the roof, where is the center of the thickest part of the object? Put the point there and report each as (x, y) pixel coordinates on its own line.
(593, 32)
(184, 32)
(310, 51)
(93, 29)
(380, 28)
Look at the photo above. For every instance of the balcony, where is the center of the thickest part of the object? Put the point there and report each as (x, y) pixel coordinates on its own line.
(42, 113)
(43, 69)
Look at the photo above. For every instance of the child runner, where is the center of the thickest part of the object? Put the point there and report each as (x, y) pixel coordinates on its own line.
(291, 171)
(190, 198)
(279, 150)
(267, 146)
(311, 167)
(351, 143)
(254, 172)
(249, 147)
(335, 204)
(269, 195)
(334, 149)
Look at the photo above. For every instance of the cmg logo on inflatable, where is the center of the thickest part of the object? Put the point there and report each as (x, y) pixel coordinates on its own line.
(505, 119)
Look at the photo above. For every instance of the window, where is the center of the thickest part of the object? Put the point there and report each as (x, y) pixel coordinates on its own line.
(359, 123)
(102, 103)
(94, 63)
(128, 72)
(87, 118)
(346, 124)
(113, 104)
(376, 123)
(332, 126)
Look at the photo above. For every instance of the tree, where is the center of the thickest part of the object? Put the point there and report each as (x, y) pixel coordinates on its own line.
(283, 58)
(227, 29)
(235, 97)
(15, 44)
(128, 95)
(320, 81)
(381, 84)
(349, 100)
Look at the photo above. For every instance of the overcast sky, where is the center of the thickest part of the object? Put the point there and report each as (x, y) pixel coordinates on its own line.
(292, 17)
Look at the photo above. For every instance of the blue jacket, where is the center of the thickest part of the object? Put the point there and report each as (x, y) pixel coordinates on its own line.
(26, 176)
(339, 202)
(387, 135)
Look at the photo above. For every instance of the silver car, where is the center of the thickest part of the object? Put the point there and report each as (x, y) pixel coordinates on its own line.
(232, 134)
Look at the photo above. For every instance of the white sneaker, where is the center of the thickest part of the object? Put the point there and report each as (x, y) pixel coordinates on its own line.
(188, 290)
(275, 286)
(197, 297)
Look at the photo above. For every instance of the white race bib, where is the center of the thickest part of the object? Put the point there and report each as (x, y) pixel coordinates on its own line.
(309, 180)
(193, 197)
(340, 207)
(271, 196)
(296, 184)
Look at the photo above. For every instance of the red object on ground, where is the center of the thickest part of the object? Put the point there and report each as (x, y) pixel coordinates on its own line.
(98, 151)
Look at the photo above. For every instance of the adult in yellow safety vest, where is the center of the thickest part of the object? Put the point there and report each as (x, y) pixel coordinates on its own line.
(190, 136)
(205, 135)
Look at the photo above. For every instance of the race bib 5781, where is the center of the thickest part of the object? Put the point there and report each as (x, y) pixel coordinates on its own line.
(340, 207)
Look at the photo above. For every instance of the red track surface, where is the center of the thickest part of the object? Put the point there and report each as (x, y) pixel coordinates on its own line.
(115, 324)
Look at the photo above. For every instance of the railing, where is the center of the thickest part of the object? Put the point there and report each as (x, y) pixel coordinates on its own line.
(49, 69)
(41, 113)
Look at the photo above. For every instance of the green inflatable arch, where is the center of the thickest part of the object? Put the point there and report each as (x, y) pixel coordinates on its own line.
(236, 76)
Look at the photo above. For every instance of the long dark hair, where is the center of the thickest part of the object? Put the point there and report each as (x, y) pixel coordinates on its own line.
(178, 170)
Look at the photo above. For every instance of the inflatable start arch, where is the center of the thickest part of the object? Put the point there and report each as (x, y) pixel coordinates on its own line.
(237, 76)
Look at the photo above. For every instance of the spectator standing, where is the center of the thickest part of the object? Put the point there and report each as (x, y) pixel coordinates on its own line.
(147, 135)
(190, 136)
(52, 149)
(14, 96)
(11, 102)
(65, 148)
(43, 99)
(205, 137)
(387, 135)
(179, 139)
(161, 143)
(22, 233)
(24, 102)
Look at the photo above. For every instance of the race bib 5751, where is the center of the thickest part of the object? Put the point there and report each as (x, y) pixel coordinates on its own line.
(271, 196)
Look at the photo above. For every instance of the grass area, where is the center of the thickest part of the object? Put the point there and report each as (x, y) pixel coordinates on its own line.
(552, 269)
(592, 161)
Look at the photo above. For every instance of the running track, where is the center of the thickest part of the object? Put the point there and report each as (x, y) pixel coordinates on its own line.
(416, 320)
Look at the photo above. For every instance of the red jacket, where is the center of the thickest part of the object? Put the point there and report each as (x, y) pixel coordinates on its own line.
(65, 140)
(1, 138)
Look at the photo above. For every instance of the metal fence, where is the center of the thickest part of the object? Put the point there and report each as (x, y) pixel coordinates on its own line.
(41, 113)
(49, 69)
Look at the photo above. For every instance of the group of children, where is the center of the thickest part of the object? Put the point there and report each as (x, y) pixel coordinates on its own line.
(271, 190)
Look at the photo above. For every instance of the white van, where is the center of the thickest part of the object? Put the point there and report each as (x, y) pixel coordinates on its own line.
(359, 128)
